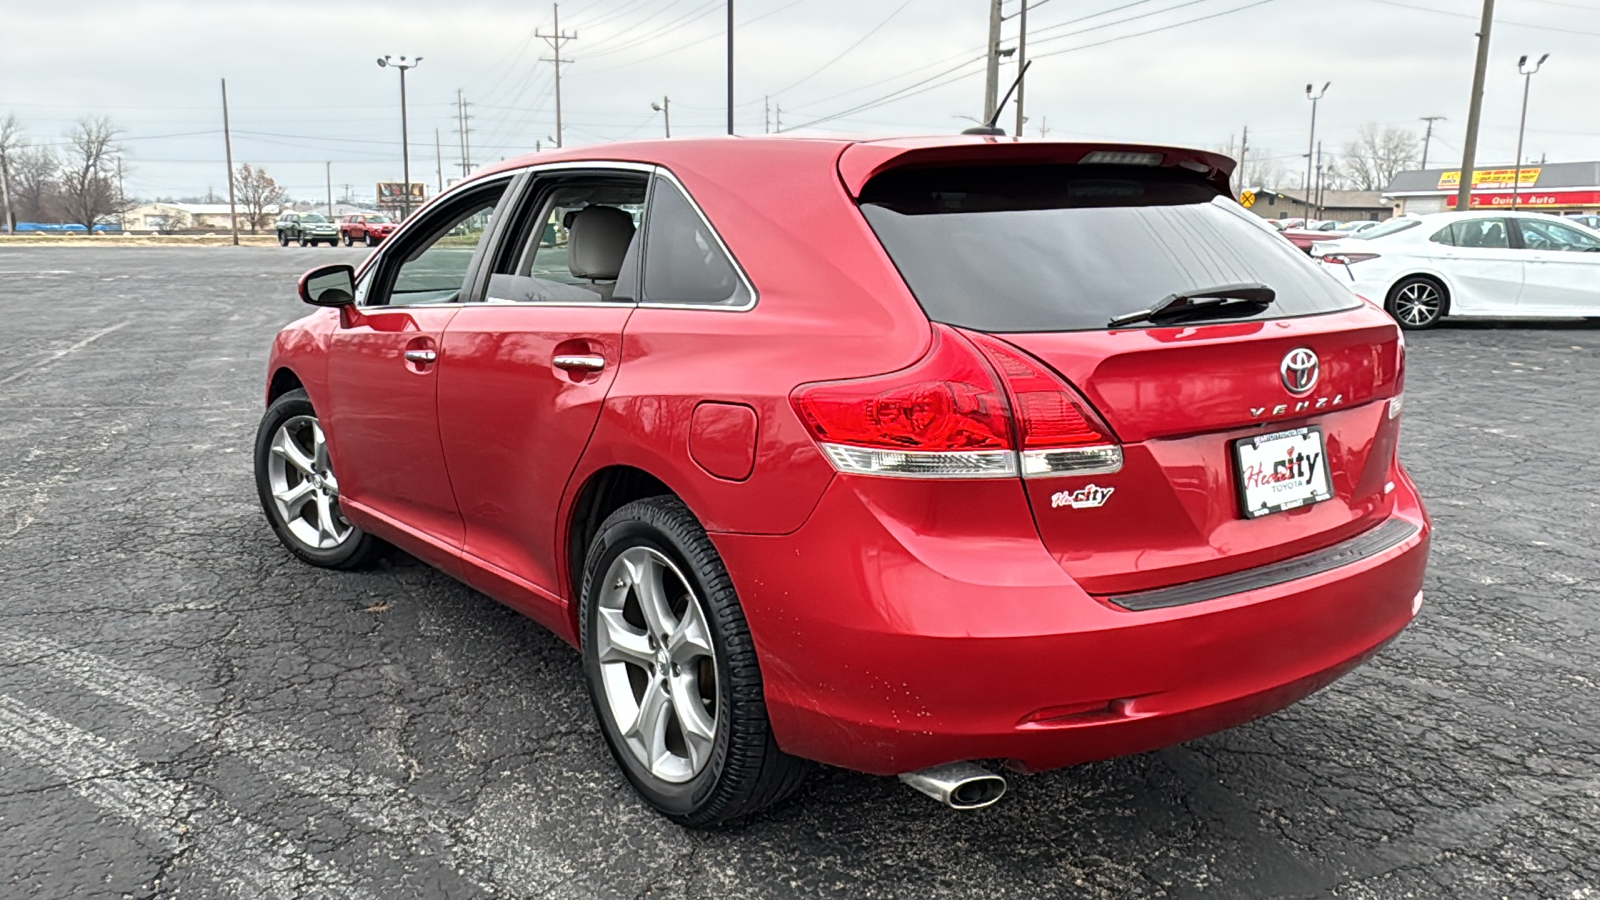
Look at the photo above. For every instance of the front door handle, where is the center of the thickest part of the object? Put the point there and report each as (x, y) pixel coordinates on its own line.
(580, 363)
(421, 357)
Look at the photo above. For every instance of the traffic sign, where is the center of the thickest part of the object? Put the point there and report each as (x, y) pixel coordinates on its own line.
(1247, 199)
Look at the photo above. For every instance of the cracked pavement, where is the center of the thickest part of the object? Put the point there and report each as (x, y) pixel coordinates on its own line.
(185, 710)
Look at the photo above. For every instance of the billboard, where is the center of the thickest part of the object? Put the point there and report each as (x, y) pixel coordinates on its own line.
(393, 192)
(1490, 179)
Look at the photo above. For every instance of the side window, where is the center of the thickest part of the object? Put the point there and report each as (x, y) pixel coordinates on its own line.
(1445, 235)
(431, 265)
(684, 263)
(575, 241)
(1482, 234)
(1557, 236)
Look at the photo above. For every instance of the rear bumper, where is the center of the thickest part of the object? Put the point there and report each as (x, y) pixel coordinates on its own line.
(887, 650)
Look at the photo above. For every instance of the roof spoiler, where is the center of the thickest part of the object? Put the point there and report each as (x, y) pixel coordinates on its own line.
(860, 163)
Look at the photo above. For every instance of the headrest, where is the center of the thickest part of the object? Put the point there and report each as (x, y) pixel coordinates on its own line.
(597, 241)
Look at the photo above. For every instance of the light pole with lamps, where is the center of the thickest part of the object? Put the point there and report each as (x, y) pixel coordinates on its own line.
(665, 108)
(1527, 82)
(405, 142)
(1311, 145)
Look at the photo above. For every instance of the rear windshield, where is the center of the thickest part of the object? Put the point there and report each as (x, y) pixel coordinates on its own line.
(1067, 248)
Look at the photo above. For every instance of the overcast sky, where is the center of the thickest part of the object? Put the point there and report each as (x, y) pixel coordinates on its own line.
(305, 89)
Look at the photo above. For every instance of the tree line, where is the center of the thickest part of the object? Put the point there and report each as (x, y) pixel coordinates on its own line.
(1369, 162)
(79, 179)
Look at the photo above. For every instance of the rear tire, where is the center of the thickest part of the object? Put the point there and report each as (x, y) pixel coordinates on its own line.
(1418, 302)
(283, 239)
(298, 490)
(708, 766)
(303, 241)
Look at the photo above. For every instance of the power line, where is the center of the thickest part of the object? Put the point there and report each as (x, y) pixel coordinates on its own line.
(846, 50)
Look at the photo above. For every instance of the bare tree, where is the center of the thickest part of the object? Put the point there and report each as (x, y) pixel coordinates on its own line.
(259, 195)
(10, 143)
(172, 220)
(89, 188)
(1371, 161)
(34, 191)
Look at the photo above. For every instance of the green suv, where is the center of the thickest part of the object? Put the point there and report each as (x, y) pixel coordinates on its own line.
(310, 229)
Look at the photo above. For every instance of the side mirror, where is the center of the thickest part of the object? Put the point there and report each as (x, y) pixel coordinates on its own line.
(333, 286)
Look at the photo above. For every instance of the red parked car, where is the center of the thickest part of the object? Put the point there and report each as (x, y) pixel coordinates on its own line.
(366, 228)
(894, 455)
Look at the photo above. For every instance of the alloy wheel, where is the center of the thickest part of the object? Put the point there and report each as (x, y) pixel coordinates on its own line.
(304, 489)
(1418, 303)
(657, 664)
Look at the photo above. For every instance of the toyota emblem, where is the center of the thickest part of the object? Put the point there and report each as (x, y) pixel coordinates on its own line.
(1299, 371)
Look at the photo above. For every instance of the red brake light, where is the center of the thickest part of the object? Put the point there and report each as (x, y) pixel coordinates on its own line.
(1345, 259)
(1059, 431)
(943, 416)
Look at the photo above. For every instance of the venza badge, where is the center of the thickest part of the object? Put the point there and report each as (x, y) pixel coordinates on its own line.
(1299, 371)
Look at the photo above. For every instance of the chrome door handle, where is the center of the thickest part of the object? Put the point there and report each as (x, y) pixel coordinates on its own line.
(421, 356)
(581, 363)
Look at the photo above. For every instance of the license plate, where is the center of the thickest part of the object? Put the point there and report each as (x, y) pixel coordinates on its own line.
(1280, 471)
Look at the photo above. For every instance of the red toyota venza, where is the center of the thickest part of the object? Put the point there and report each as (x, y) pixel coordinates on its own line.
(926, 458)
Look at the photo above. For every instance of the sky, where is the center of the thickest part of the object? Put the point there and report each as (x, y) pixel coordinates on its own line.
(307, 99)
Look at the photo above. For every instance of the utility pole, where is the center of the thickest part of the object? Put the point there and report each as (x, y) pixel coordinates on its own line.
(5, 191)
(327, 171)
(555, 41)
(464, 132)
(1522, 126)
(991, 85)
(665, 108)
(730, 67)
(777, 117)
(1311, 142)
(1427, 136)
(405, 131)
(766, 115)
(227, 145)
(1319, 179)
(438, 159)
(1022, 61)
(1469, 152)
(1244, 147)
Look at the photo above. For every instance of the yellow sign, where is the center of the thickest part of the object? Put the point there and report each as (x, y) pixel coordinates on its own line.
(1489, 179)
(1247, 199)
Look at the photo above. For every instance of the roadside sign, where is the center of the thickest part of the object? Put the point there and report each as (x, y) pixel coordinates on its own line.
(1247, 199)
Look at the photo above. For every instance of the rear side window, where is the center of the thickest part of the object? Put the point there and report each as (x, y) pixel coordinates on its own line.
(684, 263)
(1067, 248)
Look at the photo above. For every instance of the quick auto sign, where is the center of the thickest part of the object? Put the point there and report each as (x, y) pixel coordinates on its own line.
(1530, 199)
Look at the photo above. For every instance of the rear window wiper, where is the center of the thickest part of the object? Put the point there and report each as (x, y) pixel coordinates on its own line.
(1227, 299)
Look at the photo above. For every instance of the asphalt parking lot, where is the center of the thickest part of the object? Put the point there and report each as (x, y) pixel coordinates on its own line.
(187, 711)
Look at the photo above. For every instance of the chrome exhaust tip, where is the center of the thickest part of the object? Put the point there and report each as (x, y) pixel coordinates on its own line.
(958, 785)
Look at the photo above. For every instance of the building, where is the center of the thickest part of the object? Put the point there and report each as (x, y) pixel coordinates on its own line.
(1567, 188)
(1340, 206)
(169, 217)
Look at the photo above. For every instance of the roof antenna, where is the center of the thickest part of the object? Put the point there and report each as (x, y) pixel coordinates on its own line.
(988, 127)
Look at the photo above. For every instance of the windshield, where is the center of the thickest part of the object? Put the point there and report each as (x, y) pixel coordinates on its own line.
(1067, 248)
(312, 217)
(380, 220)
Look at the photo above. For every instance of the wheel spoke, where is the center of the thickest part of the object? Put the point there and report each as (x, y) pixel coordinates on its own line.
(283, 445)
(326, 526)
(319, 449)
(647, 576)
(691, 638)
(699, 729)
(618, 642)
(649, 728)
(291, 501)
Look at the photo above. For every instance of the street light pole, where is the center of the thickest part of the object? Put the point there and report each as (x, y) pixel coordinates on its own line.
(405, 141)
(1527, 82)
(1311, 144)
(730, 66)
(665, 108)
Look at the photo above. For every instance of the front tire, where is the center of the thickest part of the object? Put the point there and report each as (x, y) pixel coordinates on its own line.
(372, 241)
(303, 241)
(1417, 303)
(299, 492)
(283, 239)
(672, 670)
(347, 241)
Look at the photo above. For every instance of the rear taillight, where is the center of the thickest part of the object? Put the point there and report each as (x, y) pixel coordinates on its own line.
(946, 417)
(942, 417)
(1346, 259)
(1058, 432)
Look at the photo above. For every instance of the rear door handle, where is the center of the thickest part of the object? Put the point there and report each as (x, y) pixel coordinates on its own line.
(580, 363)
(421, 357)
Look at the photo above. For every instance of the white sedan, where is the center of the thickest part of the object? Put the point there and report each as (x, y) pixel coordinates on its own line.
(1494, 264)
